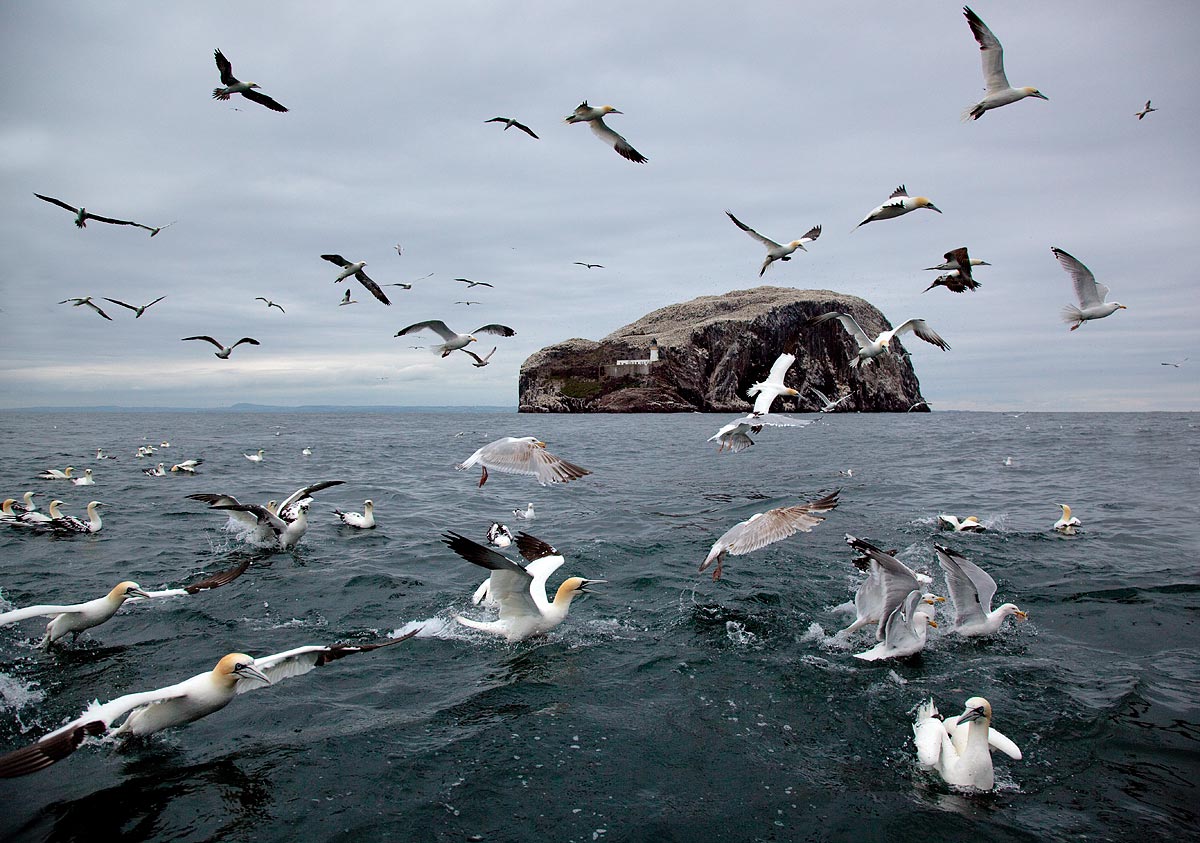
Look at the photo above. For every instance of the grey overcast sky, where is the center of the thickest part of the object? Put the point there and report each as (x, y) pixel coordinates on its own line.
(789, 114)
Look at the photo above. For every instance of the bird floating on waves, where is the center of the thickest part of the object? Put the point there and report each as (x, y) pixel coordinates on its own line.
(764, 528)
(526, 514)
(86, 480)
(1067, 523)
(584, 113)
(255, 457)
(233, 86)
(1088, 290)
(970, 524)
(364, 520)
(999, 92)
(960, 748)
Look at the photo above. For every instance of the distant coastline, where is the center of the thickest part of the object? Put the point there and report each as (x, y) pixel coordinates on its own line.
(268, 408)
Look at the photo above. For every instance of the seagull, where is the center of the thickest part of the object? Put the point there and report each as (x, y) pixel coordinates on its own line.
(233, 86)
(999, 92)
(256, 457)
(159, 470)
(225, 351)
(480, 362)
(829, 406)
(364, 521)
(270, 304)
(136, 309)
(454, 341)
(888, 584)
(970, 524)
(1088, 290)
(776, 251)
(733, 437)
(71, 524)
(55, 474)
(959, 748)
(85, 480)
(356, 269)
(186, 467)
(178, 704)
(75, 618)
(407, 286)
(904, 633)
(898, 204)
(526, 514)
(1067, 524)
(510, 122)
(869, 349)
(87, 301)
(971, 591)
(471, 283)
(346, 300)
(82, 216)
(523, 611)
(498, 535)
(522, 455)
(589, 265)
(1175, 364)
(1145, 111)
(764, 528)
(595, 116)
(468, 302)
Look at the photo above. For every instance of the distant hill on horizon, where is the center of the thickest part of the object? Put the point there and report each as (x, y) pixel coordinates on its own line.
(268, 408)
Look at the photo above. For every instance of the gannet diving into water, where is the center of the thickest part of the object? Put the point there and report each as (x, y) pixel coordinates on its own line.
(364, 520)
(971, 591)
(584, 113)
(1067, 524)
(869, 349)
(179, 704)
(224, 351)
(454, 341)
(233, 86)
(776, 251)
(522, 455)
(1088, 290)
(959, 748)
(999, 92)
(898, 204)
(764, 528)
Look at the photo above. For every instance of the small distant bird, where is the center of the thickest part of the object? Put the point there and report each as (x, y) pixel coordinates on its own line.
(595, 116)
(306, 452)
(356, 269)
(509, 122)
(186, 467)
(775, 251)
(270, 304)
(959, 748)
(82, 216)
(589, 265)
(959, 279)
(869, 349)
(970, 524)
(399, 251)
(898, 204)
(498, 535)
(999, 92)
(100, 455)
(1008, 461)
(522, 455)
(87, 301)
(828, 406)
(363, 521)
(766, 528)
(526, 514)
(468, 302)
(233, 86)
(1175, 364)
(346, 300)
(255, 457)
(136, 309)
(480, 362)
(471, 283)
(454, 341)
(1091, 293)
(1067, 524)
(404, 286)
(1145, 111)
(55, 474)
(225, 351)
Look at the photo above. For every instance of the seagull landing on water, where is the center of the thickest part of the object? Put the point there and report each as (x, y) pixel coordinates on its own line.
(270, 304)
(999, 92)
(869, 349)
(233, 86)
(776, 251)
(898, 204)
(959, 748)
(1088, 290)
(522, 455)
(86, 301)
(510, 122)
(224, 351)
(1145, 111)
(595, 117)
(137, 309)
(888, 584)
(356, 269)
(454, 341)
(766, 528)
(82, 216)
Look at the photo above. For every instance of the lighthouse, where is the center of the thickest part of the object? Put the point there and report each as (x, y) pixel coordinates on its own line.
(654, 350)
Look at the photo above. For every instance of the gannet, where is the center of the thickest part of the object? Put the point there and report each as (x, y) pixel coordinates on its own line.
(904, 633)
(288, 532)
(270, 304)
(159, 470)
(777, 251)
(522, 455)
(347, 300)
(1008, 461)
(526, 514)
(970, 524)
(27, 504)
(1067, 524)
(898, 203)
(55, 474)
(999, 92)
(87, 301)
(100, 455)
(225, 351)
(468, 304)
(541, 560)
(6, 510)
(734, 436)
(364, 521)
(1088, 290)
(959, 748)
(956, 282)
(971, 591)
(402, 285)
(85, 480)
(480, 362)
(255, 457)
(1176, 363)
(356, 269)
(957, 259)
(454, 341)
(187, 466)
(889, 582)
(591, 265)
(82, 216)
(498, 535)
(869, 349)
(179, 704)
(164, 444)
(595, 117)
(75, 618)
(41, 519)
(828, 406)
(1145, 111)
(764, 528)
(523, 611)
(509, 122)
(74, 525)
(137, 309)
(771, 388)
(233, 86)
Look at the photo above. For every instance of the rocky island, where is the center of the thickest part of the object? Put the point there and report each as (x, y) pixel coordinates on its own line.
(702, 355)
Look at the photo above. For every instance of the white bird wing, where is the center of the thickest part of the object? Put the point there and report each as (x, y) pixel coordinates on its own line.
(203, 585)
(779, 368)
(775, 420)
(521, 457)
(302, 660)
(766, 241)
(897, 581)
(261, 513)
(928, 735)
(971, 588)
(508, 584)
(622, 146)
(1087, 289)
(922, 330)
(37, 611)
(991, 53)
(899, 631)
(996, 740)
(436, 325)
(300, 494)
(774, 525)
(821, 395)
(849, 323)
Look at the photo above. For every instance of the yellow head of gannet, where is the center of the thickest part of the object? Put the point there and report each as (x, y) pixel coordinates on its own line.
(237, 666)
(923, 202)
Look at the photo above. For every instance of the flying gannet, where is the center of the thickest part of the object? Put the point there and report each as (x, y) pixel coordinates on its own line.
(137, 309)
(1067, 524)
(869, 349)
(86, 301)
(471, 283)
(971, 591)
(904, 633)
(541, 560)
(509, 122)
(1146, 110)
(356, 270)
(454, 341)
(764, 528)
(777, 251)
(958, 278)
(522, 455)
(999, 92)
(957, 259)
(363, 521)
(595, 117)
(233, 86)
(224, 351)
(1088, 290)
(959, 748)
(82, 215)
(898, 204)
(590, 265)
(828, 406)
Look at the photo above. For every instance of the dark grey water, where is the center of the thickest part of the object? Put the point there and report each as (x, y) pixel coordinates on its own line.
(667, 707)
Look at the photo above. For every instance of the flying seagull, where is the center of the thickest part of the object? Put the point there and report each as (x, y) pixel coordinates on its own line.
(356, 269)
(1145, 111)
(595, 116)
(1088, 290)
(509, 122)
(346, 300)
(138, 310)
(471, 283)
(270, 304)
(225, 351)
(734, 436)
(468, 302)
(233, 86)
(775, 251)
(522, 455)
(87, 300)
(408, 286)
(898, 204)
(999, 92)
(480, 362)
(589, 265)
(82, 216)
(828, 406)
(766, 528)
(869, 349)
(454, 341)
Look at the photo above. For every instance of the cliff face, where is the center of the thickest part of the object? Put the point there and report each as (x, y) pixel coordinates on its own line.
(712, 349)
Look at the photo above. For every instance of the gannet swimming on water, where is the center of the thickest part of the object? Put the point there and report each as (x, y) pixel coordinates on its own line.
(270, 304)
(100, 455)
(526, 514)
(75, 618)
(454, 341)
(734, 436)
(41, 519)
(764, 528)
(869, 349)
(86, 301)
(85, 480)
(137, 309)
(364, 520)
(1067, 524)
(159, 470)
(889, 582)
(959, 748)
(970, 524)
(898, 203)
(904, 633)
(55, 474)
(178, 704)
(356, 269)
(82, 215)
(1088, 290)
(480, 362)
(74, 525)
(971, 591)
(498, 535)
(233, 86)
(999, 92)
(828, 406)
(777, 251)
(225, 351)
(347, 300)
(595, 117)
(256, 457)
(523, 611)
(509, 122)
(522, 455)
(1146, 110)
(187, 466)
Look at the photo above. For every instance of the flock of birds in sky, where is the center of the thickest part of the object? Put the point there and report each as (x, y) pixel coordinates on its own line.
(894, 603)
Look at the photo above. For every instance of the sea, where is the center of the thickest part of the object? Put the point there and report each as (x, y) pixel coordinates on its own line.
(668, 706)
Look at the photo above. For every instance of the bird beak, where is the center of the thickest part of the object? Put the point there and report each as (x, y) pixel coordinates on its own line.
(135, 592)
(614, 111)
(1022, 615)
(1042, 96)
(248, 671)
(1122, 307)
(971, 714)
(583, 587)
(932, 623)
(539, 444)
(933, 207)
